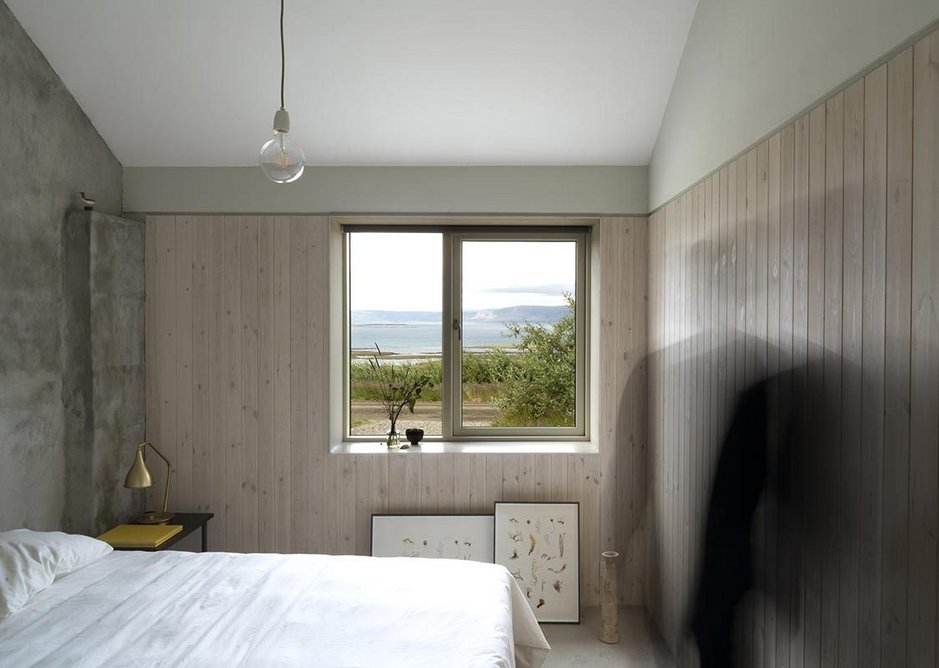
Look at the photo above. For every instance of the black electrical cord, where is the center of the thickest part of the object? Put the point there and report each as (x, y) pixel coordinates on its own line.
(282, 59)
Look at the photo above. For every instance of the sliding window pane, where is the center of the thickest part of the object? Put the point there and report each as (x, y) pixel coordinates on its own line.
(518, 333)
(395, 295)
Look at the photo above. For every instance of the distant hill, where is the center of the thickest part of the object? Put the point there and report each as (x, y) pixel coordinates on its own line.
(543, 314)
(384, 317)
(548, 314)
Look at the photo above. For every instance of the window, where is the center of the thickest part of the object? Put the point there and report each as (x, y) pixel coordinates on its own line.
(493, 320)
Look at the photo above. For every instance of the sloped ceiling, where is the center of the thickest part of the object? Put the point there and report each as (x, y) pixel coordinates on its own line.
(370, 82)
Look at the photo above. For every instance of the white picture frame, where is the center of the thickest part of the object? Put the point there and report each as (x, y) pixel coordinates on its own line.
(462, 537)
(539, 544)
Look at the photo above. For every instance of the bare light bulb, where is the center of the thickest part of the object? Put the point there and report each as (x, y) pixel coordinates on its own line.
(281, 159)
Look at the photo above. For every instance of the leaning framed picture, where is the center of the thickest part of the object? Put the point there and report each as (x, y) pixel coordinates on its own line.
(466, 537)
(540, 545)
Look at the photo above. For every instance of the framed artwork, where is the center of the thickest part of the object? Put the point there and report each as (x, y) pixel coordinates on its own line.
(467, 537)
(540, 545)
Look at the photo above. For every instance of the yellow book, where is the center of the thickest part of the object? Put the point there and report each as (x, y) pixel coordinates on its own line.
(140, 535)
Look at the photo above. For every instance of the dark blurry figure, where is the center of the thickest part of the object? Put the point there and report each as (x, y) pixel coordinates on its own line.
(726, 569)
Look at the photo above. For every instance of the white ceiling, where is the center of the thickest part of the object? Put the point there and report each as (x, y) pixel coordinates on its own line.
(369, 82)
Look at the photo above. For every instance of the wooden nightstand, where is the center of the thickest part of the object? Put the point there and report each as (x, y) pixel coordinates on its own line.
(190, 522)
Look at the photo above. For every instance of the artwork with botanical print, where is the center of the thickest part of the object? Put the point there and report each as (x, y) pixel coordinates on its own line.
(464, 537)
(538, 544)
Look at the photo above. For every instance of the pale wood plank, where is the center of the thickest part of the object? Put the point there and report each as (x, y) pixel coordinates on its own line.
(654, 434)
(396, 491)
(683, 321)
(851, 416)
(871, 460)
(609, 232)
(151, 349)
(331, 540)
(183, 466)
(661, 550)
(758, 337)
(429, 482)
(201, 321)
(691, 442)
(713, 340)
(218, 536)
(816, 350)
(693, 433)
(542, 476)
(250, 377)
(726, 300)
(282, 263)
(741, 367)
(230, 344)
(412, 481)
(753, 235)
(266, 367)
(896, 483)
(591, 509)
(800, 376)
(462, 478)
(348, 502)
(493, 489)
(762, 298)
(446, 490)
(526, 477)
(575, 492)
(787, 552)
(616, 472)
(166, 368)
(829, 460)
(772, 338)
(674, 391)
(298, 366)
(379, 485)
(924, 391)
(510, 477)
(318, 394)
(364, 502)
(740, 362)
(637, 392)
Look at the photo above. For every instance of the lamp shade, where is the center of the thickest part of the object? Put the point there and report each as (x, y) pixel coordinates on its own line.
(139, 475)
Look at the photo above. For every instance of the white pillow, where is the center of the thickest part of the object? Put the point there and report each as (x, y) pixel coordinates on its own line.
(30, 561)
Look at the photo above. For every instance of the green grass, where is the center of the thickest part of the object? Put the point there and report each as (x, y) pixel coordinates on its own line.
(482, 374)
(489, 377)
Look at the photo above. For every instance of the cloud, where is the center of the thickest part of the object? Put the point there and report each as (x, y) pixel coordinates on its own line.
(550, 289)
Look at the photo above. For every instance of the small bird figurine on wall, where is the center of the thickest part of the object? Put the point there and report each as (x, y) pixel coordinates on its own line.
(88, 202)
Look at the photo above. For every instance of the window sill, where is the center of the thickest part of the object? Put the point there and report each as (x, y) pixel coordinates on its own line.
(469, 447)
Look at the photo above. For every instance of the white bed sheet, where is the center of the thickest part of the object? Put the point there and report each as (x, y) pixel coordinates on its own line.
(220, 609)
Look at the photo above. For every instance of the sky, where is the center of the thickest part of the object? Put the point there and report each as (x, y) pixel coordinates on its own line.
(402, 272)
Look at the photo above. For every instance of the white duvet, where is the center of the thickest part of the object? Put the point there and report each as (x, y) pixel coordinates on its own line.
(219, 609)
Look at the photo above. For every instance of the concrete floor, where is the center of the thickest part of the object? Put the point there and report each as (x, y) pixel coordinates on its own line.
(640, 644)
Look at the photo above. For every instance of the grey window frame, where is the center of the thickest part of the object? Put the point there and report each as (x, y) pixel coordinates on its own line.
(452, 237)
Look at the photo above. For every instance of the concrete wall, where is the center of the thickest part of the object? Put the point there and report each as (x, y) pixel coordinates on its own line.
(512, 190)
(49, 151)
(751, 65)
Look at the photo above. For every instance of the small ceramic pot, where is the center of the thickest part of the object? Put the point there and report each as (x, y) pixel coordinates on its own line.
(414, 435)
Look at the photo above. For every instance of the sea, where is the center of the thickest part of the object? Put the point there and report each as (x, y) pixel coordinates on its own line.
(425, 338)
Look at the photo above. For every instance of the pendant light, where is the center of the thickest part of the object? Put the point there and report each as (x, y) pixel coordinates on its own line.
(281, 159)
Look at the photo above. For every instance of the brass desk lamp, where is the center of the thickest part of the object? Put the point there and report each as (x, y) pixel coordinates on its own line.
(139, 477)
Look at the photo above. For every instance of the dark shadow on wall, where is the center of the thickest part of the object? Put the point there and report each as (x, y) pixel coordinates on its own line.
(769, 504)
(632, 489)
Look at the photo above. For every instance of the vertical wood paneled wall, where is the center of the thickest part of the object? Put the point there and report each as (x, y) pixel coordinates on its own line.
(237, 394)
(819, 246)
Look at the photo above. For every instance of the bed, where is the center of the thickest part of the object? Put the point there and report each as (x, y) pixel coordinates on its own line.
(221, 609)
